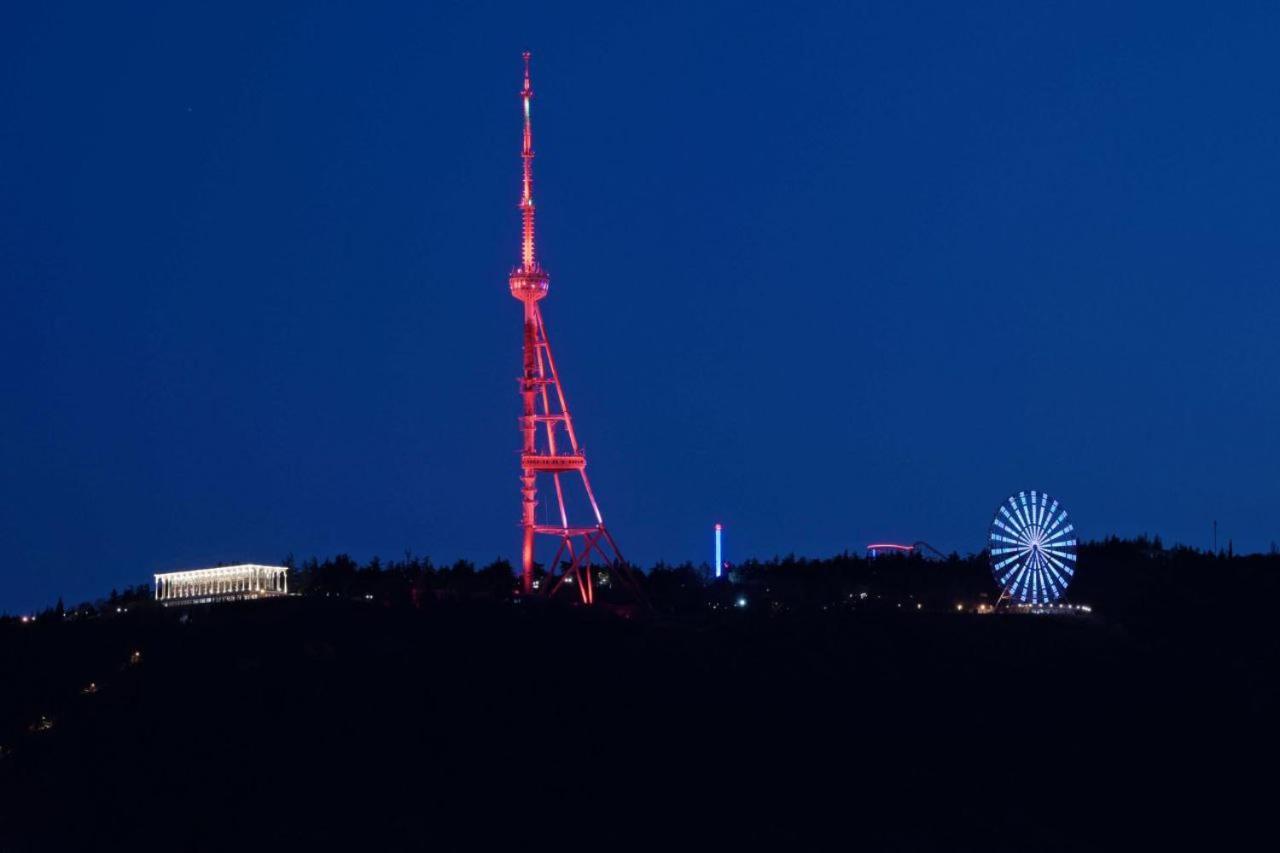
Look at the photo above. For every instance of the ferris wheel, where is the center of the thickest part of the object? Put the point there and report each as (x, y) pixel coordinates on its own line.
(1033, 549)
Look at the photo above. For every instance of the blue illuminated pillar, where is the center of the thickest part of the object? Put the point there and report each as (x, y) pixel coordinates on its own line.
(719, 560)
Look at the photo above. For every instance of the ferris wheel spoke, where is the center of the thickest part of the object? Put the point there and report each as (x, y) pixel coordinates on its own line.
(1018, 573)
(1048, 583)
(1049, 508)
(1005, 580)
(1012, 526)
(1014, 518)
(1058, 528)
(1021, 507)
(1050, 575)
(1000, 525)
(1058, 551)
(1009, 516)
(1056, 521)
(1044, 582)
(1006, 561)
(1060, 537)
(1015, 565)
(1013, 587)
(1065, 551)
(1012, 572)
(1054, 572)
(1054, 561)
(1008, 536)
(1064, 572)
(1012, 529)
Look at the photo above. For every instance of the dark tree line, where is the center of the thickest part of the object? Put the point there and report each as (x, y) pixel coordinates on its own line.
(1120, 576)
(410, 580)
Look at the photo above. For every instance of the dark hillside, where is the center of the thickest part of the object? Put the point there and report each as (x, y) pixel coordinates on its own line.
(330, 722)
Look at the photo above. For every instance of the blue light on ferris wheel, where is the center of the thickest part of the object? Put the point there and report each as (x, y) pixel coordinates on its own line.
(1032, 548)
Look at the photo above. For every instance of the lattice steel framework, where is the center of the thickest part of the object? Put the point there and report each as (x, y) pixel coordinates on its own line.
(549, 446)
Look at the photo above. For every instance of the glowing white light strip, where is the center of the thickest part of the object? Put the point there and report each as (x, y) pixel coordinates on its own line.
(246, 579)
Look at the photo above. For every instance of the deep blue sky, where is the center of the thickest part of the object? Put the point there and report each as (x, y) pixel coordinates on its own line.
(828, 273)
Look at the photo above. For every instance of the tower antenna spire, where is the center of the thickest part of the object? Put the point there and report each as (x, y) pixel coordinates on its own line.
(527, 259)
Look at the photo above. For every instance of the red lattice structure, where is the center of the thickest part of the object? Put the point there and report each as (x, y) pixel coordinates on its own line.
(586, 554)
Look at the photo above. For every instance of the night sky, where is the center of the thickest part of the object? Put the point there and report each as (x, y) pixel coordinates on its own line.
(830, 274)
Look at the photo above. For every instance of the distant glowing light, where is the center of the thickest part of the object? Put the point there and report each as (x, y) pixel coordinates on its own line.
(719, 554)
(875, 549)
(742, 601)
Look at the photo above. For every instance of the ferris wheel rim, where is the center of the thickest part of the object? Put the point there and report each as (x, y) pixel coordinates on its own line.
(1032, 547)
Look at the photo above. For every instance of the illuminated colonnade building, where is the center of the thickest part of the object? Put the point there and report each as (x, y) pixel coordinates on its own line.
(225, 583)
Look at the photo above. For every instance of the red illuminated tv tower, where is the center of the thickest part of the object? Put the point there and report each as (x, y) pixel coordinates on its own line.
(549, 445)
